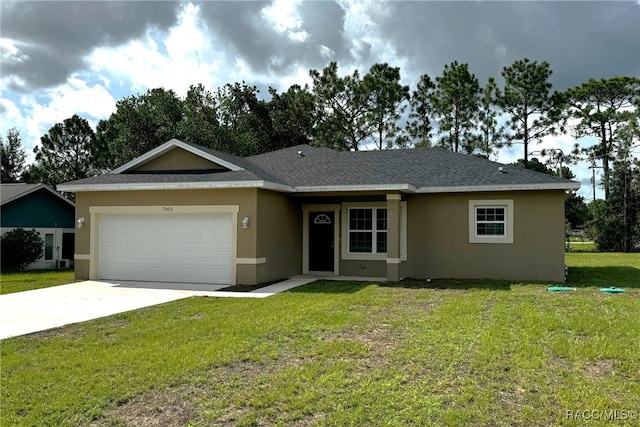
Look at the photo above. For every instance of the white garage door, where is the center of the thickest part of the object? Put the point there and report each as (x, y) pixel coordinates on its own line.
(167, 248)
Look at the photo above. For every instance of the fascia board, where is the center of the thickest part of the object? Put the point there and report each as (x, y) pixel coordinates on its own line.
(573, 185)
(408, 188)
(140, 186)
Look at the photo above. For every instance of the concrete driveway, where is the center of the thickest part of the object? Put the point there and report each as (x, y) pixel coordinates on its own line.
(26, 312)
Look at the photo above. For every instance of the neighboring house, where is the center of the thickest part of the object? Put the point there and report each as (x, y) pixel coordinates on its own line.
(37, 206)
(186, 213)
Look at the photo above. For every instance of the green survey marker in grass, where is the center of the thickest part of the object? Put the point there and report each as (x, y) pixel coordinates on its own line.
(449, 352)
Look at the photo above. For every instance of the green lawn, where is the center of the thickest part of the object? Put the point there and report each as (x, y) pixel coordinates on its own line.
(18, 282)
(582, 246)
(449, 352)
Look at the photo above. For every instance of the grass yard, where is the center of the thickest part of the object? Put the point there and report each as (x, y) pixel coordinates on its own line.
(443, 353)
(583, 246)
(26, 281)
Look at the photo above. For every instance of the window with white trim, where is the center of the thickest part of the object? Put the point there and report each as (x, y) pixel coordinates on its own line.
(367, 230)
(491, 221)
(374, 237)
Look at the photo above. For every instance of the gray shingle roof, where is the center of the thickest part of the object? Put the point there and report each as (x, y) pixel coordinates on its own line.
(419, 167)
(315, 168)
(12, 191)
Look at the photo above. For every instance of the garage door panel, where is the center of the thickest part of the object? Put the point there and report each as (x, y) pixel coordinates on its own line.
(182, 248)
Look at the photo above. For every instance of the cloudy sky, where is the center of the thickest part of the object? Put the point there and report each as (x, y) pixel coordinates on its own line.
(65, 58)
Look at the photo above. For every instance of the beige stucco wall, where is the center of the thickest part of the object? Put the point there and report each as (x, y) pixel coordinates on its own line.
(245, 199)
(177, 159)
(437, 241)
(438, 238)
(365, 268)
(279, 232)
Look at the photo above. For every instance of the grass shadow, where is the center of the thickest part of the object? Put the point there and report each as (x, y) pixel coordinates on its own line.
(452, 284)
(579, 277)
(346, 287)
(620, 277)
(331, 287)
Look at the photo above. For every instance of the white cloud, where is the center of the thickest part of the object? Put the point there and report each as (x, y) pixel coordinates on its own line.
(10, 110)
(369, 45)
(283, 16)
(299, 76)
(185, 57)
(298, 36)
(34, 118)
(10, 53)
(326, 52)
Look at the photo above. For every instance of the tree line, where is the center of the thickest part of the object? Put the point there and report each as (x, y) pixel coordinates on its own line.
(352, 112)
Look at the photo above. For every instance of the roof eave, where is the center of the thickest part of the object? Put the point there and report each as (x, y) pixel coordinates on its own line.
(570, 185)
(268, 185)
(142, 186)
(406, 188)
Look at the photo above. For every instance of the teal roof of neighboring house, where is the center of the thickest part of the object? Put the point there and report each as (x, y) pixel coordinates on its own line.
(34, 206)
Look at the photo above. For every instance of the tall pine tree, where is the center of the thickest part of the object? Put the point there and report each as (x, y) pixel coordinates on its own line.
(12, 157)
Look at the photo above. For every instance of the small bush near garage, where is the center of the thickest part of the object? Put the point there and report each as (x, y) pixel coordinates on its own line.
(20, 248)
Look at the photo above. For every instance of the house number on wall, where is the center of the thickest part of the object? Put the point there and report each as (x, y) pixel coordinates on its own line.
(167, 209)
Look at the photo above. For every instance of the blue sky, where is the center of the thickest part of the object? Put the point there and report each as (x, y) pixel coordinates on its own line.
(65, 58)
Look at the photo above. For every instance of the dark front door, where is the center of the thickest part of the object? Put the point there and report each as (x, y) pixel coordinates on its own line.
(321, 244)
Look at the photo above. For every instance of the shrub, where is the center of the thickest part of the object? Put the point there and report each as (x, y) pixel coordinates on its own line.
(20, 248)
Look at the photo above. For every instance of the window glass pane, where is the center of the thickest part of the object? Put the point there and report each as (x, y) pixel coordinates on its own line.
(48, 246)
(381, 219)
(381, 242)
(490, 214)
(360, 219)
(360, 242)
(490, 229)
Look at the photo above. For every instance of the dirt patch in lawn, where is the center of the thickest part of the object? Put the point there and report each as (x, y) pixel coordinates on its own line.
(68, 331)
(513, 397)
(178, 405)
(172, 407)
(378, 338)
(600, 368)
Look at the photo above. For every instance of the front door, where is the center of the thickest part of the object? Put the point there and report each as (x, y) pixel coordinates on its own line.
(321, 241)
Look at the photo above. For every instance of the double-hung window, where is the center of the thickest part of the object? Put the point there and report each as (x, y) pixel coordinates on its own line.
(491, 221)
(367, 230)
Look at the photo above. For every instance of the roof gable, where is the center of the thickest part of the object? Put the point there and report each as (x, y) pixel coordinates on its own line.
(11, 192)
(177, 156)
(35, 205)
(176, 160)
